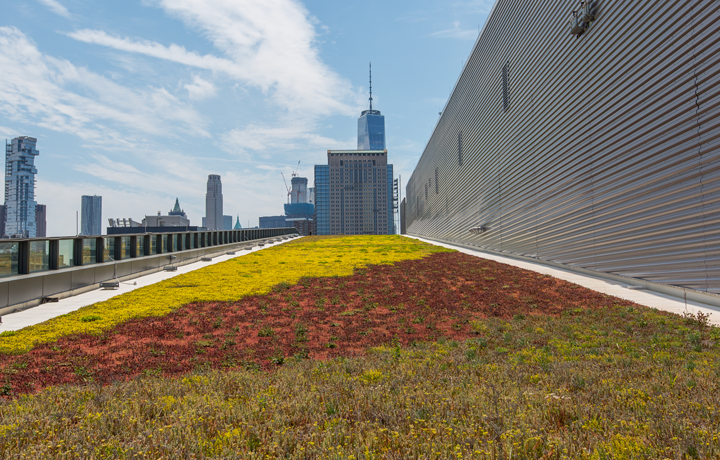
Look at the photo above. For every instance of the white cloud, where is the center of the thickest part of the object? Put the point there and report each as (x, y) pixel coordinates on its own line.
(174, 53)
(270, 45)
(56, 7)
(288, 137)
(55, 94)
(456, 32)
(200, 89)
(8, 133)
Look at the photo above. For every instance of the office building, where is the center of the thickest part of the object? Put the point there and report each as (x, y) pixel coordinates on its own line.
(214, 203)
(91, 215)
(301, 216)
(237, 224)
(322, 199)
(273, 222)
(227, 223)
(371, 127)
(590, 143)
(41, 220)
(357, 201)
(20, 173)
(353, 193)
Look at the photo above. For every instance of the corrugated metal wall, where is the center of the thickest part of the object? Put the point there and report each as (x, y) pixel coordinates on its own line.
(607, 156)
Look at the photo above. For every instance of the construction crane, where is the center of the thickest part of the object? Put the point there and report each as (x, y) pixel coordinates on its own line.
(289, 190)
(295, 173)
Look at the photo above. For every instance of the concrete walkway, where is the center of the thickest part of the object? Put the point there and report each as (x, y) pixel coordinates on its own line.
(643, 297)
(36, 315)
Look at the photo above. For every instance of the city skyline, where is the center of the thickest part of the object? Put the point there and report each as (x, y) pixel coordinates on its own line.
(138, 102)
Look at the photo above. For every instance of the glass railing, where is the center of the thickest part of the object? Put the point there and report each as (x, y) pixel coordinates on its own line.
(39, 256)
(9, 253)
(66, 253)
(33, 255)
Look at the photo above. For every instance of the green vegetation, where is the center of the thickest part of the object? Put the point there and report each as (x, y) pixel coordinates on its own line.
(615, 383)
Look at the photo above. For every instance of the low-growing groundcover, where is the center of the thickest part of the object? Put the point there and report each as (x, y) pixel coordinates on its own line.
(443, 295)
(467, 359)
(251, 274)
(613, 383)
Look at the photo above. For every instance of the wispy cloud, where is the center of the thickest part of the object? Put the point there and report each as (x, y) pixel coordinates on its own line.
(66, 98)
(57, 8)
(270, 45)
(290, 136)
(200, 89)
(456, 32)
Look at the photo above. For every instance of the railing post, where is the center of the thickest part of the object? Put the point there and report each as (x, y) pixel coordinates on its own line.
(78, 252)
(54, 254)
(99, 250)
(23, 257)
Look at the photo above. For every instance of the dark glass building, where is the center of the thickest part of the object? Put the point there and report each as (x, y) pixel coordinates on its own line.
(322, 199)
(371, 127)
(371, 130)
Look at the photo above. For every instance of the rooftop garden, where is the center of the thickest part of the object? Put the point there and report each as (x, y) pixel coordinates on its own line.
(362, 347)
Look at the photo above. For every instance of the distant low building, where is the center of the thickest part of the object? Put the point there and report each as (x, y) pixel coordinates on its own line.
(273, 222)
(175, 221)
(301, 216)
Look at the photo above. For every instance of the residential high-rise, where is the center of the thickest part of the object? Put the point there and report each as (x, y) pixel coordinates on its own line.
(214, 203)
(91, 215)
(20, 173)
(41, 220)
(371, 127)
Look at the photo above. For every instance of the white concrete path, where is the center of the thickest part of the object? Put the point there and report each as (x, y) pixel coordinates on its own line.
(643, 297)
(36, 315)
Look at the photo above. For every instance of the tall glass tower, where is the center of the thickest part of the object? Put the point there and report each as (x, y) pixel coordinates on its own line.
(91, 215)
(371, 127)
(20, 201)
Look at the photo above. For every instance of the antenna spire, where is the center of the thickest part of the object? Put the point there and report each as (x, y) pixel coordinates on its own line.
(371, 87)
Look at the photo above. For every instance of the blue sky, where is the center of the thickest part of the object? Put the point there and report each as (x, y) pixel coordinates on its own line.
(139, 100)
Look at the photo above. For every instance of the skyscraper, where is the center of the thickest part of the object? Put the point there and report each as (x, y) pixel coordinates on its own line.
(322, 199)
(357, 200)
(237, 224)
(20, 173)
(41, 220)
(227, 223)
(214, 203)
(91, 215)
(371, 127)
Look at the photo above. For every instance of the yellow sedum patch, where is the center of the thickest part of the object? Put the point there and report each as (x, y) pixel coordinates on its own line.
(252, 274)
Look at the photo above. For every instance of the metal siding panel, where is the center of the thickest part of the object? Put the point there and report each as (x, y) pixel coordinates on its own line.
(607, 157)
